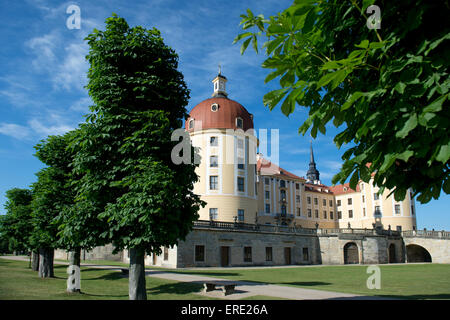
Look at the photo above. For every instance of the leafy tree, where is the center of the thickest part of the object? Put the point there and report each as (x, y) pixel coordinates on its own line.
(129, 184)
(52, 194)
(15, 225)
(388, 87)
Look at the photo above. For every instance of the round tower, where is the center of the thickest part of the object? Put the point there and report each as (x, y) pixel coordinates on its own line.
(222, 129)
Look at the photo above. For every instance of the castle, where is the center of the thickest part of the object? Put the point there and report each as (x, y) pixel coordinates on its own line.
(260, 214)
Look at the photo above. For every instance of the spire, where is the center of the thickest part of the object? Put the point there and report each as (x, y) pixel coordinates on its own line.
(219, 85)
(313, 174)
(311, 155)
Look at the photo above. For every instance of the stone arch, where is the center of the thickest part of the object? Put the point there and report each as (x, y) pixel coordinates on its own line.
(351, 253)
(391, 253)
(416, 253)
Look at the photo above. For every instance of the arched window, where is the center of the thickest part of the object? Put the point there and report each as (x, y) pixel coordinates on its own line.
(191, 124)
(239, 123)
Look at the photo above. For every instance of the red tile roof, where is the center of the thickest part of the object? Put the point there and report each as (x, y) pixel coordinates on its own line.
(344, 188)
(265, 167)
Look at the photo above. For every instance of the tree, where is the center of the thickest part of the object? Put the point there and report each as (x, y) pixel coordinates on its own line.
(129, 183)
(15, 225)
(52, 194)
(388, 87)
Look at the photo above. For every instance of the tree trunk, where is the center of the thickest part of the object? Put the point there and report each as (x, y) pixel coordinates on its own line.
(136, 285)
(46, 262)
(35, 260)
(74, 279)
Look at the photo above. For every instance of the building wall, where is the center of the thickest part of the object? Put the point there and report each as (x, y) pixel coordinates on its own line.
(364, 203)
(228, 199)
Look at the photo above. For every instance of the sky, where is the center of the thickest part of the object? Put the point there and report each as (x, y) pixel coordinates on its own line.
(43, 74)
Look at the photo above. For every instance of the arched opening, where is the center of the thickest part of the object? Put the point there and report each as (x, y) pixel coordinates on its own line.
(351, 255)
(416, 253)
(391, 253)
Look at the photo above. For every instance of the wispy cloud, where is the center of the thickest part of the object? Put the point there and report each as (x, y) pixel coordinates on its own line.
(14, 130)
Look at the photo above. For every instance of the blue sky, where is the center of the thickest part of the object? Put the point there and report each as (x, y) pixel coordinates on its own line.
(44, 71)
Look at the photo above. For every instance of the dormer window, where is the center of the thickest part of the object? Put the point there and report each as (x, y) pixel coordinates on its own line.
(239, 123)
(214, 107)
(191, 124)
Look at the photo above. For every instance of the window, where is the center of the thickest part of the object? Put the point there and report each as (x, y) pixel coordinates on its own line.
(283, 209)
(247, 254)
(325, 214)
(297, 186)
(308, 200)
(283, 195)
(305, 254)
(309, 213)
(214, 161)
(239, 123)
(213, 142)
(240, 182)
(241, 163)
(331, 203)
(282, 184)
(364, 212)
(331, 215)
(350, 214)
(213, 212)
(267, 208)
(316, 201)
(363, 199)
(213, 182)
(362, 186)
(267, 181)
(299, 212)
(267, 195)
(349, 200)
(324, 202)
(199, 253)
(377, 211)
(339, 215)
(240, 143)
(240, 215)
(268, 253)
(397, 209)
(166, 253)
(338, 203)
(214, 107)
(191, 124)
(316, 214)
(297, 198)
(376, 196)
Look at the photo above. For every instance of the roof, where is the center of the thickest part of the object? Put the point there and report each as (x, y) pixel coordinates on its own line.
(344, 189)
(318, 188)
(223, 118)
(267, 168)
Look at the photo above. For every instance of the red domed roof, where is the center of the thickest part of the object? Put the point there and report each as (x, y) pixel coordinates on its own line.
(225, 116)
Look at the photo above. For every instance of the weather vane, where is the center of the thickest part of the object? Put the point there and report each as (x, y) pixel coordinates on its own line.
(220, 69)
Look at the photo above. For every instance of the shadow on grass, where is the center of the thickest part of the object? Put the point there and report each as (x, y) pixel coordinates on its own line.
(176, 288)
(199, 273)
(307, 283)
(437, 296)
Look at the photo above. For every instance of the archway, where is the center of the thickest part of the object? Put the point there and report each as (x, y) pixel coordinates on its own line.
(416, 253)
(391, 253)
(351, 255)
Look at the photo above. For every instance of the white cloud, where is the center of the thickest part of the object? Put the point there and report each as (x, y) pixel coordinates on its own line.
(81, 104)
(44, 130)
(71, 73)
(15, 131)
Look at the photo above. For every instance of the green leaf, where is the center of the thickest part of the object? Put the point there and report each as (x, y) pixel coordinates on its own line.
(400, 87)
(355, 96)
(324, 80)
(245, 45)
(436, 105)
(410, 124)
(444, 153)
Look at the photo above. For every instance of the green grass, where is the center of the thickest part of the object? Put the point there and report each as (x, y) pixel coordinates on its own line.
(18, 282)
(407, 281)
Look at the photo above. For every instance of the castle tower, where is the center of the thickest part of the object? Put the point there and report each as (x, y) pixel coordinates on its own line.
(313, 174)
(222, 129)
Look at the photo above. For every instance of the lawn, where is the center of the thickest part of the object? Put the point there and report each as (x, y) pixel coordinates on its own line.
(18, 282)
(405, 281)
